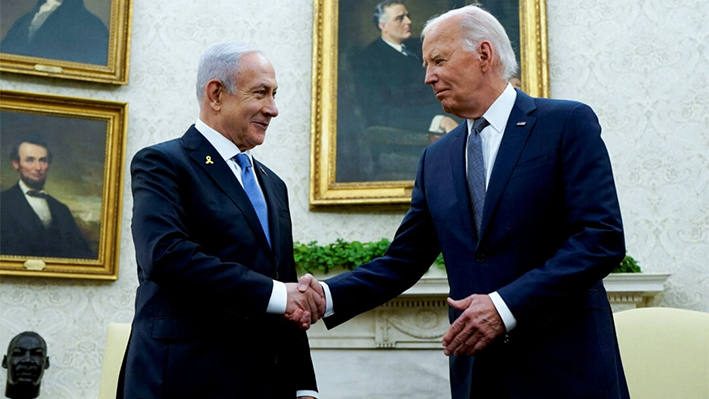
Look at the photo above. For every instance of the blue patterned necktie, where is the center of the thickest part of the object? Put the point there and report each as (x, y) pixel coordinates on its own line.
(248, 179)
(476, 171)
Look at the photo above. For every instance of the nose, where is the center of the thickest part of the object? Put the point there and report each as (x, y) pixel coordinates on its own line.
(431, 77)
(271, 109)
(407, 20)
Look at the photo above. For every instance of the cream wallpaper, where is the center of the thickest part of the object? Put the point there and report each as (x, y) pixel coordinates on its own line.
(643, 65)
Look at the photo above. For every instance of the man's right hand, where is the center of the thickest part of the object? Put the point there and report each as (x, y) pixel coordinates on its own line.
(306, 302)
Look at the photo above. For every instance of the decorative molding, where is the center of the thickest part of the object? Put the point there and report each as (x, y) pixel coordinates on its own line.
(418, 318)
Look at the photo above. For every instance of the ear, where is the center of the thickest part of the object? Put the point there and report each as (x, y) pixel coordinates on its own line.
(46, 363)
(486, 52)
(15, 164)
(4, 362)
(381, 27)
(214, 94)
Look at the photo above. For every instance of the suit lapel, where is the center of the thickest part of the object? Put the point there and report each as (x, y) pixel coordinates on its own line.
(460, 183)
(270, 193)
(517, 131)
(204, 154)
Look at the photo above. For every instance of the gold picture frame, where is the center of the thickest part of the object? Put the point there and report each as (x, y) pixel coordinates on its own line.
(327, 186)
(83, 144)
(96, 48)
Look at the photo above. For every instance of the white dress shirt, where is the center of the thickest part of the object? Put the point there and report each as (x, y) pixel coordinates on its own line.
(44, 12)
(39, 205)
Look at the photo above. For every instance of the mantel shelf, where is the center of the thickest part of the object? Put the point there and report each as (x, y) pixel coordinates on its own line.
(419, 317)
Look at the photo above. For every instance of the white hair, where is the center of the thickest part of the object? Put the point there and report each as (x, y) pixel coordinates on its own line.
(477, 26)
(222, 62)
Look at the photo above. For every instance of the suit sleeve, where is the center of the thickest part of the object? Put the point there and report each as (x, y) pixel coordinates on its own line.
(168, 256)
(594, 242)
(409, 256)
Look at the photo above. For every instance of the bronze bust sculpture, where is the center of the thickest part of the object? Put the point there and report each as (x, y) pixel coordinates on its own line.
(25, 362)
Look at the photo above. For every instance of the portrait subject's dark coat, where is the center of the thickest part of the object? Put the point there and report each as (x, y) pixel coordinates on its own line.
(22, 232)
(551, 231)
(70, 33)
(391, 90)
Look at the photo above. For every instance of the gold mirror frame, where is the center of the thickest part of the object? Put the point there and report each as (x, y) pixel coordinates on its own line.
(325, 191)
(115, 71)
(77, 111)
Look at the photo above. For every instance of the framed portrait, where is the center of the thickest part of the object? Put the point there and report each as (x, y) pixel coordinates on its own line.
(61, 183)
(371, 112)
(72, 39)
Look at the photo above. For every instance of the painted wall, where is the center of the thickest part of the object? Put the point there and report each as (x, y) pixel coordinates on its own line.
(643, 65)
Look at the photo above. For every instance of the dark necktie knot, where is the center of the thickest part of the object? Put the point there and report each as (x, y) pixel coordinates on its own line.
(480, 124)
(36, 194)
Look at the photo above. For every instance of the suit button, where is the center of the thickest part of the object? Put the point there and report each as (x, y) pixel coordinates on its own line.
(480, 258)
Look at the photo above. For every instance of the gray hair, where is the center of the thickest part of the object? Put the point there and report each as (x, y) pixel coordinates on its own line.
(222, 62)
(380, 15)
(479, 25)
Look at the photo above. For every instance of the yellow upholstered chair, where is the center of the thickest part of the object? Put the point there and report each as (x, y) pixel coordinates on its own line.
(116, 342)
(665, 352)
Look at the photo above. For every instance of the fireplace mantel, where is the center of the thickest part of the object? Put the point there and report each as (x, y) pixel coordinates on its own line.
(418, 318)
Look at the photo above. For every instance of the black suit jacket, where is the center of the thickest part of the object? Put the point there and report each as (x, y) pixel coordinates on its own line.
(205, 271)
(391, 90)
(551, 230)
(22, 232)
(70, 33)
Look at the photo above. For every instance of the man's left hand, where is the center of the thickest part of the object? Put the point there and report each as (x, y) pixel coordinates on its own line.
(477, 326)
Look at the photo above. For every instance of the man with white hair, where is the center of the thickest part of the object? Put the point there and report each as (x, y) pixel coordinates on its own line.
(214, 248)
(521, 201)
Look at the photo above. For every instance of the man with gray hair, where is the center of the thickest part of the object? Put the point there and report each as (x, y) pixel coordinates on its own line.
(521, 201)
(214, 248)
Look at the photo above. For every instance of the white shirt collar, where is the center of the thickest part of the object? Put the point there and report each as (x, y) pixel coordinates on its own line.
(223, 145)
(396, 47)
(25, 188)
(499, 112)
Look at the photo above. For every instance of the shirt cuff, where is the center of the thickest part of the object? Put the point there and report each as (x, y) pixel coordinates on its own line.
(503, 311)
(299, 394)
(329, 309)
(436, 124)
(279, 299)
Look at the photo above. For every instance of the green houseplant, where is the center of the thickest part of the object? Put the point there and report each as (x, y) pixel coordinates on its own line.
(347, 255)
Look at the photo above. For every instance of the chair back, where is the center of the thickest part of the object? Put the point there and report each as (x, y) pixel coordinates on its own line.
(116, 343)
(665, 352)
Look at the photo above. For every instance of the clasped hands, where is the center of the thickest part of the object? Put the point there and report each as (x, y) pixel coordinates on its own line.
(306, 302)
(478, 325)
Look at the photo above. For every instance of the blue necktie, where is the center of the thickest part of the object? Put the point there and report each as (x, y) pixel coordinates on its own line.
(476, 171)
(248, 179)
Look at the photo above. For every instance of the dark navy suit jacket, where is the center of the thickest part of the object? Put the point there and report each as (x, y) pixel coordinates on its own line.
(205, 271)
(551, 230)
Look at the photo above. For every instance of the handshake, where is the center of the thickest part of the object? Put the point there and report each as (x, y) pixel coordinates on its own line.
(306, 302)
